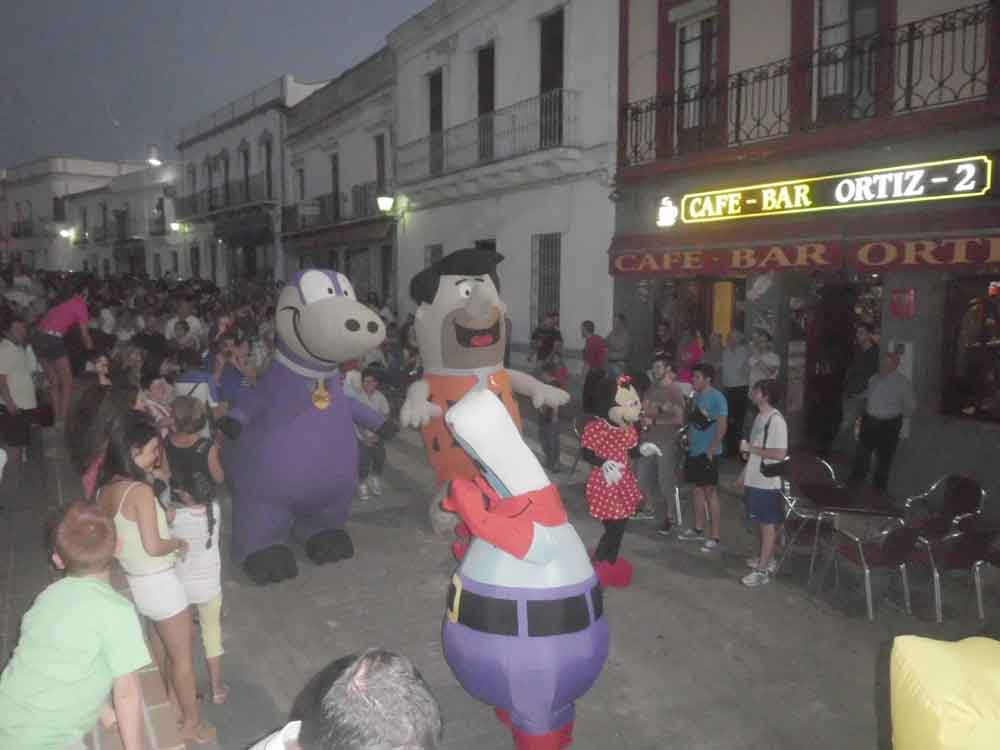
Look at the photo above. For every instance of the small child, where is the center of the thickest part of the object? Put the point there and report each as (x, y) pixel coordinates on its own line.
(548, 420)
(195, 471)
(80, 640)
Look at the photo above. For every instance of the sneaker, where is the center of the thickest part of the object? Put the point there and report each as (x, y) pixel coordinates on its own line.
(710, 545)
(754, 562)
(363, 491)
(691, 535)
(643, 514)
(375, 485)
(667, 528)
(756, 578)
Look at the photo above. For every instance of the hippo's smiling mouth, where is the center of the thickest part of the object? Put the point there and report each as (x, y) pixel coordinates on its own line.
(477, 338)
(296, 312)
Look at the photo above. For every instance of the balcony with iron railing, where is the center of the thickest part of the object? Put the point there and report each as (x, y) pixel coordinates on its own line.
(260, 188)
(932, 63)
(23, 228)
(328, 209)
(543, 122)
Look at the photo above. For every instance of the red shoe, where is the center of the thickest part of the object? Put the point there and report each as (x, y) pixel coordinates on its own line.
(605, 573)
(566, 735)
(621, 573)
(551, 741)
(458, 549)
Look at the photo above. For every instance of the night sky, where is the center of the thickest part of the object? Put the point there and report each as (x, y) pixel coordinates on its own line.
(103, 79)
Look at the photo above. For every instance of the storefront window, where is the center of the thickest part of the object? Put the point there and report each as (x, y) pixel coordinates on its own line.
(971, 351)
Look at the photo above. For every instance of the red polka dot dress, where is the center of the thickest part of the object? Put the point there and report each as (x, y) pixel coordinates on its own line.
(612, 443)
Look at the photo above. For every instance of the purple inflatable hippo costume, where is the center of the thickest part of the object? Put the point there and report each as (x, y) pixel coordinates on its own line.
(292, 467)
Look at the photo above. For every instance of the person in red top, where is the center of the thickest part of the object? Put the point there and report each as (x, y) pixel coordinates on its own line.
(595, 354)
(69, 308)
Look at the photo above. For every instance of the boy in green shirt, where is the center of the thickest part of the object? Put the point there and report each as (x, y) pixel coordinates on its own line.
(80, 640)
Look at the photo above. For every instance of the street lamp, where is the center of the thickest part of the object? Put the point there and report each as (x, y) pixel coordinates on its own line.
(67, 234)
(175, 226)
(385, 203)
(154, 157)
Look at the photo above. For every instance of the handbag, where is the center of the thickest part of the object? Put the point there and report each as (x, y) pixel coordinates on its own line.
(776, 468)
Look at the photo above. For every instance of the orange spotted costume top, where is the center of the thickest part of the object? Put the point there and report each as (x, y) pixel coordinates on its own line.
(448, 458)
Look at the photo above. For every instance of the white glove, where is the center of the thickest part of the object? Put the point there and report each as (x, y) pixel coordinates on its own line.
(613, 471)
(650, 449)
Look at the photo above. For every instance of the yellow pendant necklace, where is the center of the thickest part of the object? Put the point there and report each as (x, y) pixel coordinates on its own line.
(321, 396)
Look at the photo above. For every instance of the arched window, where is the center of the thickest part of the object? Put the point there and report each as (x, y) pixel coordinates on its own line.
(244, 152)
(224, 164)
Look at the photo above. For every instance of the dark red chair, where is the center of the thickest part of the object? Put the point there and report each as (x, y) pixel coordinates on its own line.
(950, 499)
(801, 518)
(991, 556)
(955, 551)
(890, 549)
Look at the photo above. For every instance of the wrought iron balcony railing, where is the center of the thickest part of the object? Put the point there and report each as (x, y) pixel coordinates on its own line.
(933, 62)
(23, 228)
(327, 209)
(260, 188)
(542, 122)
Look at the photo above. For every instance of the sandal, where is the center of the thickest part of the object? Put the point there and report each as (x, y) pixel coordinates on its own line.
(219, 697)
(203, 734)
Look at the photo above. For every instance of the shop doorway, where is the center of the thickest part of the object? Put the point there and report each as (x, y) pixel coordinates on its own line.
(830, 326)
(686, 307)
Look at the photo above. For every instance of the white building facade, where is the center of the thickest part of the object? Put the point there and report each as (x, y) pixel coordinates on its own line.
(507, 120)
(232, 184)
(129, 226)
(339, 149)
(34, 207)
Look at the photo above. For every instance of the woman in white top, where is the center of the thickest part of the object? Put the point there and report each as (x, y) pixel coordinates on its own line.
(148, 554)
(762, 494)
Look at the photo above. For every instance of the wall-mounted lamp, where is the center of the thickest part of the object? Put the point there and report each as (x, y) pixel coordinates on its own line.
(67, 234)
(385, 203)
(176, 226)
(154, 157)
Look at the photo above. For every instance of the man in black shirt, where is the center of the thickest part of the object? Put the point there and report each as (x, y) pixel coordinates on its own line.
(546, 340)
(863, 366)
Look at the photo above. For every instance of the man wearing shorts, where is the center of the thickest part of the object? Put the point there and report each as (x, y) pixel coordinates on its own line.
(707, 431)
(762, 495)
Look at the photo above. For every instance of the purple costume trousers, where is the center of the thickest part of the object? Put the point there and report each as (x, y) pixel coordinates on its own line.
(535, 678)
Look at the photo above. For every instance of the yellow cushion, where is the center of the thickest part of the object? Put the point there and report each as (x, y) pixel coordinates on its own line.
(945, 696)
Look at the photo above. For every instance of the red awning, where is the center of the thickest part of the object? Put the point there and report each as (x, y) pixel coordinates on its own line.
(649, 254)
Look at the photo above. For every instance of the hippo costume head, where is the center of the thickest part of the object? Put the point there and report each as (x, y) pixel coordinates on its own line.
(320, 322)
(460, 318)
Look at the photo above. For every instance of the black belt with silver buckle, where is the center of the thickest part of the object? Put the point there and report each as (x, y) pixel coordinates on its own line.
(499, 616)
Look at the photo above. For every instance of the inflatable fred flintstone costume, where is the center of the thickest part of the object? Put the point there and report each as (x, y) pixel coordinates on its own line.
(291, 457)
(461, 331)
(524, 629)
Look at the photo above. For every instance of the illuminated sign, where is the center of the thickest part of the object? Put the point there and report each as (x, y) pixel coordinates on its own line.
(741, 260)
(863, 255)
(967, 177)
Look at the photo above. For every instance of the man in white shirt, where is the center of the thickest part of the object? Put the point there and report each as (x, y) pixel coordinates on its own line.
(762, 498)
(185, 312)
(17, 386)
(763, 364)
(373, 701)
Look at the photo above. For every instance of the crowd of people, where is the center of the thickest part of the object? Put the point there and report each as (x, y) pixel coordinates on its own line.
(136, 373)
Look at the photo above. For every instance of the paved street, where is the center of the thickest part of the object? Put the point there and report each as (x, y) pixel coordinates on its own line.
(697, 660)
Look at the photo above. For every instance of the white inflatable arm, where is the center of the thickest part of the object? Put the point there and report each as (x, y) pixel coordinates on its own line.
(541, 394)
(417, 410)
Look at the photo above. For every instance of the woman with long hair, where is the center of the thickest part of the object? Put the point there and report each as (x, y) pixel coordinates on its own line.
(88, 427)
(68, 309)
(148, 554)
